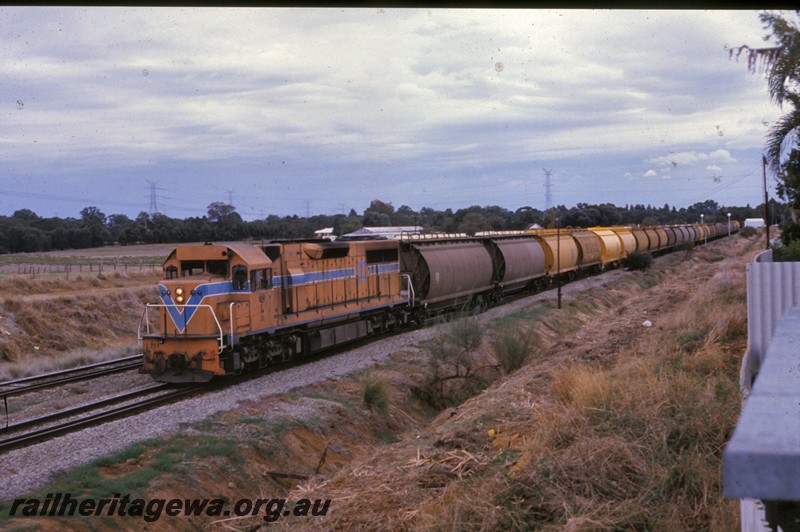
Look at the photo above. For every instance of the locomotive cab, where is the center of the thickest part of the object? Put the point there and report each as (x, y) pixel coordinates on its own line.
(204, 307)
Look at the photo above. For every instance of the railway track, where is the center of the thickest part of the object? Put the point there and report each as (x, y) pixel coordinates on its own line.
(154, 396)
(57, 378)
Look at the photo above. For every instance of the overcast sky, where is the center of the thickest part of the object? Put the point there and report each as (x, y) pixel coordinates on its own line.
(295, 111)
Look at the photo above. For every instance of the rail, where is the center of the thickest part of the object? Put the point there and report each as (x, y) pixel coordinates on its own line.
(39, 382)
(97, 418)
(145, 320)
(71, 371)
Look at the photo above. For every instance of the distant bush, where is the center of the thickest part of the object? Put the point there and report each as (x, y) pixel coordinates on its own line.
(638, 260)
(748, 232)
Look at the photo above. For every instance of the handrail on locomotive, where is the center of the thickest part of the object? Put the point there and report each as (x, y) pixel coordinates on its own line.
(145, 320)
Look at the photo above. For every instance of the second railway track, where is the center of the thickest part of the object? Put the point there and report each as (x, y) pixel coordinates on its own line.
(72, 423)
(67, 376)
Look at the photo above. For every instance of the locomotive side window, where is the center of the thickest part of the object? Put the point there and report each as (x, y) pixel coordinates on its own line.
(171, 272)
(261, 279)
(381, 255)
(239, 277)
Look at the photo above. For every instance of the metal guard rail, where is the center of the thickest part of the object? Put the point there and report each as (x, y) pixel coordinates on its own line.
(145, 319)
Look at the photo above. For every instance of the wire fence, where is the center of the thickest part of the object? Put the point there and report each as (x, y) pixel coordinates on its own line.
(81, 268)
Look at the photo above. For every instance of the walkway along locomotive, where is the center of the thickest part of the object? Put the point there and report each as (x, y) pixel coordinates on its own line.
(228, 308)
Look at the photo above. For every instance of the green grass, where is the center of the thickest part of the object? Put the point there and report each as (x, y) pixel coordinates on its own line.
(173, 456)
(376, 395)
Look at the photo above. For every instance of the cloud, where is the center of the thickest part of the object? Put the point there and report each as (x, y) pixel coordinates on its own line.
(691, 157)
(713, 168)
(411, 93)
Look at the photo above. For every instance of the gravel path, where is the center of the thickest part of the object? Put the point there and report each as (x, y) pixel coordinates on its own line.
(30, 468)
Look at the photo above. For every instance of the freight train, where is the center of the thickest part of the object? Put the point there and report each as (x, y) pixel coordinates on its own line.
(228, 308)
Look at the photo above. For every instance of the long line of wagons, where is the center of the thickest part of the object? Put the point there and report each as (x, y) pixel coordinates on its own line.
(228, 308)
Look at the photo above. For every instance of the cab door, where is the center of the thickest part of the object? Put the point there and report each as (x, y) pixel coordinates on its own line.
(262, 300)
(240, 310)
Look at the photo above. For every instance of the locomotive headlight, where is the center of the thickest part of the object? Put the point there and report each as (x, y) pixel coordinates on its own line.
(179, 295)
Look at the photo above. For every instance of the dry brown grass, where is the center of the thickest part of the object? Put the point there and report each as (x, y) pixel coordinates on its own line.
(43, 332)
(21, 286)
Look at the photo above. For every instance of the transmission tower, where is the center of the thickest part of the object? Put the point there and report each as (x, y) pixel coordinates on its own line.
(153, 203)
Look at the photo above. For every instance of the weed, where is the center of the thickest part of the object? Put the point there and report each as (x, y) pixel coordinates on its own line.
(376, 395)
(464, 333)
(690, 341)
(513, 346)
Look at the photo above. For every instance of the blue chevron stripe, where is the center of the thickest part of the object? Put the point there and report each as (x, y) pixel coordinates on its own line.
(183, 315)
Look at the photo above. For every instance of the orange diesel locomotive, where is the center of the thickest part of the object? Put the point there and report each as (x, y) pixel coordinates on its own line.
(230, 307)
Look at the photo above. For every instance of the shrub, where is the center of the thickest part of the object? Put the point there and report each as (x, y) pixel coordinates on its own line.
(464, 333)
(747, 232)
(456, 370)
(790, 232)
(376, 395)
(786, 253)
(638, 260)
(513, 347)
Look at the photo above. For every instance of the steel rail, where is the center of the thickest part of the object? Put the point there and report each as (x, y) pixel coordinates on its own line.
(94, 419)
(70, 371)
(67, 380)
(83, 408)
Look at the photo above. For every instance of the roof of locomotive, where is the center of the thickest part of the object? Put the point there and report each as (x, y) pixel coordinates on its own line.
(253, 256)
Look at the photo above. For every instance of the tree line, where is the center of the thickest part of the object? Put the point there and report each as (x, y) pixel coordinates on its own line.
(25, 231)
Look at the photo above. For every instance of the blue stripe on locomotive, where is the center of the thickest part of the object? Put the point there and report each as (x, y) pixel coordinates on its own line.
(216, 289)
